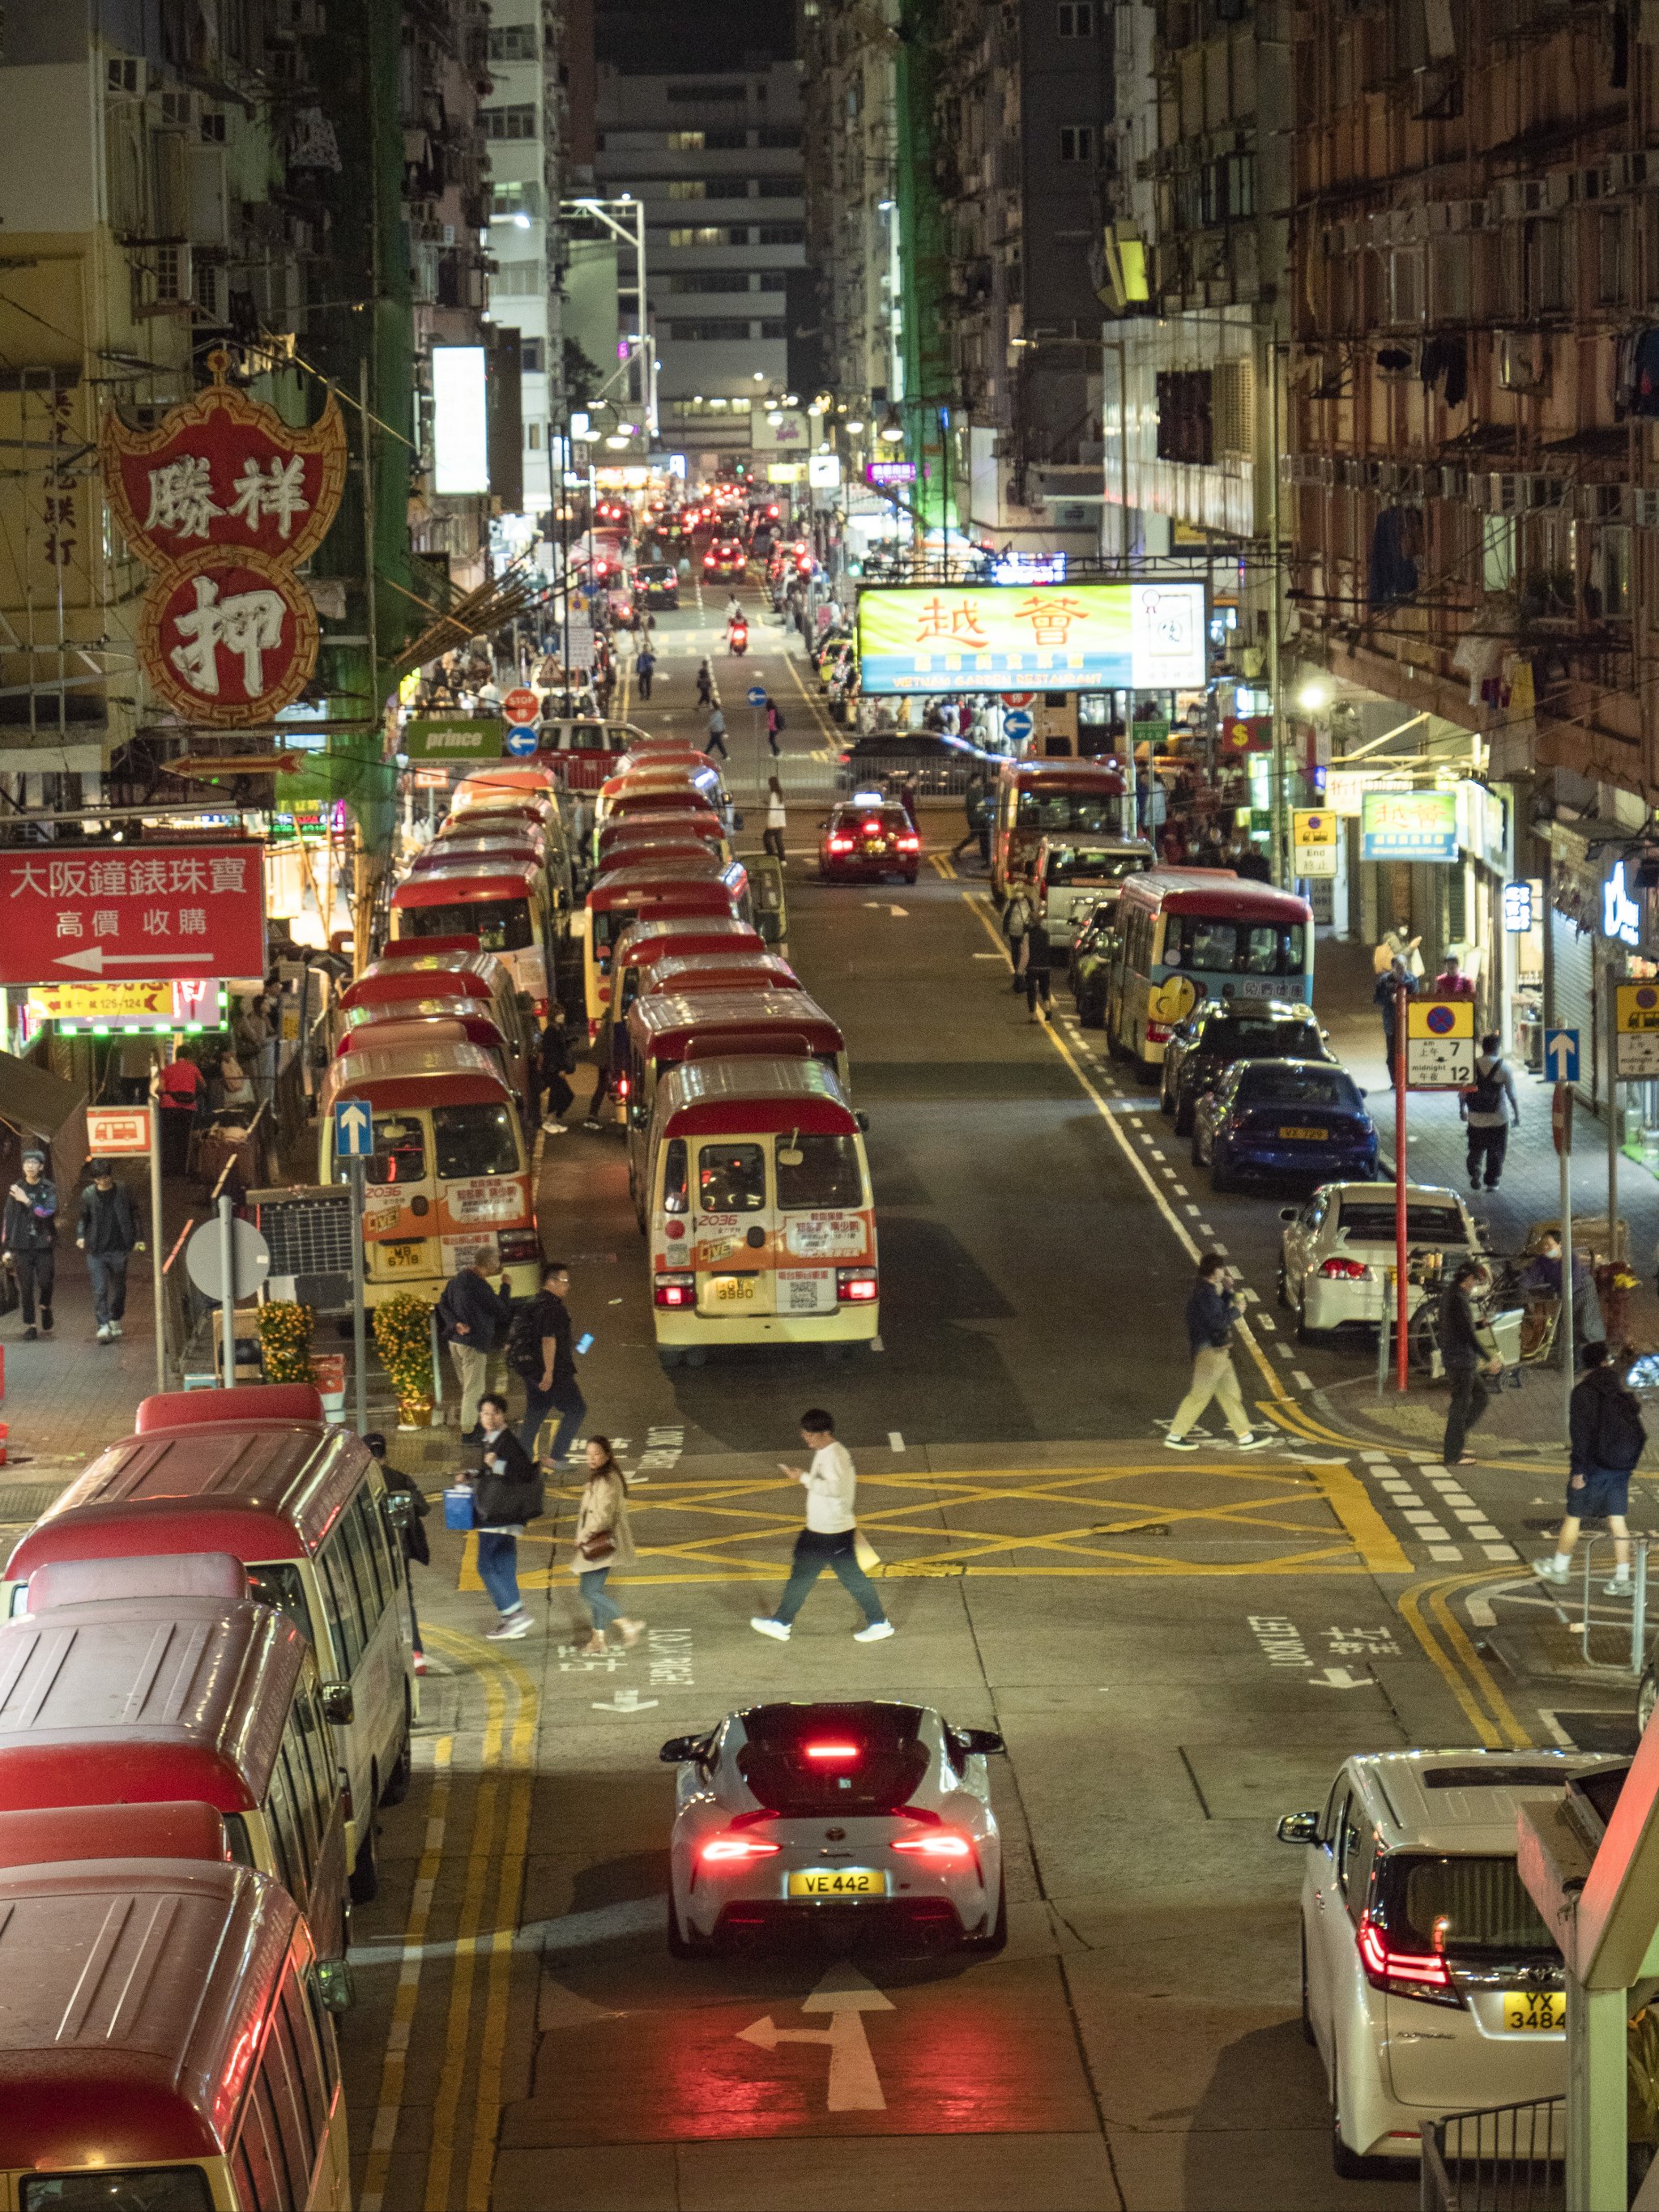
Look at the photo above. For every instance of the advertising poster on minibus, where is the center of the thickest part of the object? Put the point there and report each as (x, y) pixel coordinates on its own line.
(1055, 637)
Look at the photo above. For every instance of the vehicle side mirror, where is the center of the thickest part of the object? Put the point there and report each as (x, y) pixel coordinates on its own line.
(863, 1120)
(334, 1984)
(679, 1749)
(1287, 1213)
(1299, 1828)
(339, 1707)
(399, 1508)
(982, 1741)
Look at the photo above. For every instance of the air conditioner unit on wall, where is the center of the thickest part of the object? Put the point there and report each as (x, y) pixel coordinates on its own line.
(1521, 196)
(1644, 508)
(1524, 362)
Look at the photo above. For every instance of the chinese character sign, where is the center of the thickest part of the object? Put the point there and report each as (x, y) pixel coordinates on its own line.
(1058, 636)
(193, 911)
(1408, 826)
(223, 500)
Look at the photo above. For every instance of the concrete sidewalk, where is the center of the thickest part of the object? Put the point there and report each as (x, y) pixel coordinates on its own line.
(1529, 1417)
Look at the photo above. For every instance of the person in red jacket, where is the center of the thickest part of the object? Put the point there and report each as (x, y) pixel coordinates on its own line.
(1451, 982)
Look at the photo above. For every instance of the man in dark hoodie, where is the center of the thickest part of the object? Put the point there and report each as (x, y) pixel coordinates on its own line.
(107, 1231)
(28, 1239)
(1211, 1310)
(1607, 1441)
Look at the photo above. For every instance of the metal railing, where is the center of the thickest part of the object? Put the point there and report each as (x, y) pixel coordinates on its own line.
(1638, 1606)
(1508, 2159)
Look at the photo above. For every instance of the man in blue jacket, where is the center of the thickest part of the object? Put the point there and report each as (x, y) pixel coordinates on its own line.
(474, 1321)
(1211, 1310)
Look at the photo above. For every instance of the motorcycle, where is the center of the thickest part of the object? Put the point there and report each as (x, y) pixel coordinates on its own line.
(737, 638)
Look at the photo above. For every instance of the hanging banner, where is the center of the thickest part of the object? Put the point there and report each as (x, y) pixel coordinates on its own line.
(224, 501)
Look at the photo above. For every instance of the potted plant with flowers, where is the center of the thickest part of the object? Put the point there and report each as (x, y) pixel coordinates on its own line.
(403, 1337)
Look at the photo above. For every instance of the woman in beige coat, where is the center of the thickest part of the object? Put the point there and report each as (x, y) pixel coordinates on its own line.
(604, 1541)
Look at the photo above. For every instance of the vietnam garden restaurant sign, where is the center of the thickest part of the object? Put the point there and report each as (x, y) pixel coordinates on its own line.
(454, 736)
(1408, 826)
(223, 500)
(1050, 637)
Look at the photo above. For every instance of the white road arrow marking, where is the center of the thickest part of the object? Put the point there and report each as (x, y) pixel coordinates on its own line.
(95, 960)
(1338, 1677)
(854, 2086)
(625, 1701)
(903, 912)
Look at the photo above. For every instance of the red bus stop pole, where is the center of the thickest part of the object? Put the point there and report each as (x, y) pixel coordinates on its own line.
(1400, 1361)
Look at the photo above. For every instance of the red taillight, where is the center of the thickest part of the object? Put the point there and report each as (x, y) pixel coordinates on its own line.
(732, 1851)
(518, 1244)
(623, 1086)
(1159, 1032)
(837, 1751)
(855, 1285)
(872, 828)
(1405, 1973)
(909, 844)
(1345, 1271)
(675, 1289)
(942, 1847)
(841, 844)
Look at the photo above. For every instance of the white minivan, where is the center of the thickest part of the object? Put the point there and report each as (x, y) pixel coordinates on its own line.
(253, 1472)
(1074, 877)
(1429, 1984)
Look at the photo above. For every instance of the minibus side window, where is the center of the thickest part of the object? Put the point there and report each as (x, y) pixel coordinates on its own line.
(674, 1174)
(236, 1835)
(261, 2179)
(311, 1744)
(279, 1582)
(324, 2028)
(360, 1551)
(279, 2077)
(286, 1838)
(301, 1796)
(388, 1546)
(343, 1606)
(313, 2074)
(292, 2188)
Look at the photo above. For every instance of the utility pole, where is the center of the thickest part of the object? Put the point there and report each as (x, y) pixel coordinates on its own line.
(1278, 789)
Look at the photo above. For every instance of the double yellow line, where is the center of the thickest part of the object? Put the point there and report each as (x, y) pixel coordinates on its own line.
(462, 2152)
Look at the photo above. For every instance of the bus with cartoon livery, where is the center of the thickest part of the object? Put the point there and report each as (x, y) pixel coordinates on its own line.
(1184, 935)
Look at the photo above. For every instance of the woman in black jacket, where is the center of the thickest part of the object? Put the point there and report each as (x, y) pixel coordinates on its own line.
(507, 1493)
(413, 1536)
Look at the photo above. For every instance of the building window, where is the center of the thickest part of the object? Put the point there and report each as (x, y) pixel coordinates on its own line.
(684, 142)
(1612, 258)
(1076, 142)
(517, 280)
(709, 333)
(699, 96)
(707, 280)
(509, 122)
(774, 330)
(1498, 553)
(513, 42)
(1076, 19)
(532, 435)
(780, 233)
(1185, 418)
(532, 356)
(213, 126)
(778, 138)
(778, 188)
(687, 188)
(510, 199)
(703, 234)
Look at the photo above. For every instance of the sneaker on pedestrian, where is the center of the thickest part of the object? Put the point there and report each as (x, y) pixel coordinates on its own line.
(510, 1625)
(765, 1625)
(1252, 1443)
(591, 1122)
(1626, 1588)
(29, 1333)
(1547, 1572)
(1179, 1444)
(1034, 1016)
(552, 1128)
(45, 1321)
(115, 1328)
(104, 1332)
(877, 1632)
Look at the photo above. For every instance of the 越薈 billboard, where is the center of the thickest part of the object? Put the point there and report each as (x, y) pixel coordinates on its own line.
(1051, 637)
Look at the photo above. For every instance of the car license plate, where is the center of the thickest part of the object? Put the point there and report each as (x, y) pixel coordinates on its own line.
(734, 1290)
(838, 1881)
(1544, 2010)
(402, 1255)
(1316, 1135)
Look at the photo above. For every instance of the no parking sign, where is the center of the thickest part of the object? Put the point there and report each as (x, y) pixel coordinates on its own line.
(1439, 1043)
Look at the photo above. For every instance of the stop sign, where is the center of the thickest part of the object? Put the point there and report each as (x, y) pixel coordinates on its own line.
(1018, 698)
(521, 705)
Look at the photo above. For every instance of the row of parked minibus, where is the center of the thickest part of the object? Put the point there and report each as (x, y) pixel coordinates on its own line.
(205, 1695)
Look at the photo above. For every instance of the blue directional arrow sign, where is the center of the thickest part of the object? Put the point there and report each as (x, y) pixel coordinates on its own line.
(757, 695)
(1561, 1055)
(521, 742)
(354, 1130)
(1016, 724)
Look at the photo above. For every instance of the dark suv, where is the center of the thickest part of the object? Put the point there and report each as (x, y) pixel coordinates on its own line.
(657, 583)
(1222, 1030)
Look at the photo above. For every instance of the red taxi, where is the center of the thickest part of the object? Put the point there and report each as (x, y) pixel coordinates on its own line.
(867, 837)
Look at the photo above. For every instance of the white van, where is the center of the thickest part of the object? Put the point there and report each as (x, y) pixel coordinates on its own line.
(1075, 875)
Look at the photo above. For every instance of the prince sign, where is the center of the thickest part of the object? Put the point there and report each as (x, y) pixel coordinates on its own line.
(223, 500)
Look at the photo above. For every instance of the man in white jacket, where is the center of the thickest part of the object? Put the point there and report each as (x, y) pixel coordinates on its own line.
(828, 1539)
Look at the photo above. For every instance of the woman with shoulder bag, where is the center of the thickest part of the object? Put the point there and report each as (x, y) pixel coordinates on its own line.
(507, 1493)
(604, 1541)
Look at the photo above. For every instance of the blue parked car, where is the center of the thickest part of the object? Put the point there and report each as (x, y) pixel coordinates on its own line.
(1285, 1117)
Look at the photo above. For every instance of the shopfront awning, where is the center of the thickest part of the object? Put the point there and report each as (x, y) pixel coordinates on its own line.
(34, 1101)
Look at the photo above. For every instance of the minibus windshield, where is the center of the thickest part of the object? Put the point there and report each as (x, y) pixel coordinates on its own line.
(500, 924)
(730, 1178)
(279, 1583)
(399, 1153)
(474, 1140)
(138, 2189)
(827, 1173)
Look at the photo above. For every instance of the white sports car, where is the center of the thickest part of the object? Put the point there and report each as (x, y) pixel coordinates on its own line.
(1337, 1249)
(869, 1819)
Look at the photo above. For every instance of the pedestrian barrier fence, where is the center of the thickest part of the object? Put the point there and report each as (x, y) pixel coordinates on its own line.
(1638, 1609)
(1507, 2159)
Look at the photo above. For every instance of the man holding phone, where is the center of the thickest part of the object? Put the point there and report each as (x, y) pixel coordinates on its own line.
(543, 1353)
(829, 1538)
(1211, 1310)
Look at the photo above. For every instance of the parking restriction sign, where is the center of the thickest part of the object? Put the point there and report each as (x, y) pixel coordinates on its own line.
(1439, 1043)
(1639, 1031)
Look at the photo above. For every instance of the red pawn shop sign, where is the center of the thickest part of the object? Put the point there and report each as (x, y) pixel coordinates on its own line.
(183, 913)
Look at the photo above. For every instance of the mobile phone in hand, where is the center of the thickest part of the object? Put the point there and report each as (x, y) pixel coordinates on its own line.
(583, 1341)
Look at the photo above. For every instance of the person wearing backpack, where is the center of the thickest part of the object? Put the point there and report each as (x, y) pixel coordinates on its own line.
(540, 1353)
(1608, 1438)
(1483, 1108)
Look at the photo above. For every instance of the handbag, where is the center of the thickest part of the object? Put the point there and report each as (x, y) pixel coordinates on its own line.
(599, 1548)
(864, 1552)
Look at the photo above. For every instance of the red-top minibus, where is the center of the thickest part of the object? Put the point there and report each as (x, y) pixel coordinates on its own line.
(253, 1472)
(666, 889)
(1037, 799)
(156, 1699)
(404, 975)
(507, 904)
(58, 1835)
(165, 2042)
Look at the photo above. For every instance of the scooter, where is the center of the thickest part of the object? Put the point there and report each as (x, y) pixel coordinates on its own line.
(738, 638)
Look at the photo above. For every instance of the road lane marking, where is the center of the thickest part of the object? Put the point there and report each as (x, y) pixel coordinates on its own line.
(509, 1897)
(895, 1440)
(853, 2084)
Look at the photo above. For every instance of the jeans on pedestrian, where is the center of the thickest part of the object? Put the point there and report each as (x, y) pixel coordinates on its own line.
(1213, 1376)
(643, 680)
(1469, 1401)
(1488, 1146)
(1017, 954)
(773, 840)
(537, 1404)
(498, 1568)
(813, 1553)
(36, 1271)
(571, 1406)
(603, 1607)
(472, 1367)
(1036, 986)
(109, 1270)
